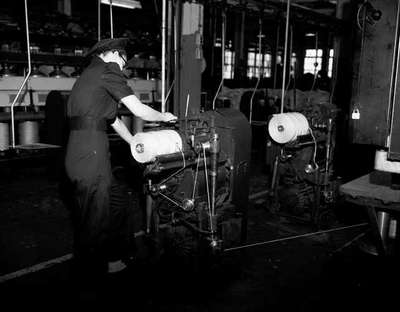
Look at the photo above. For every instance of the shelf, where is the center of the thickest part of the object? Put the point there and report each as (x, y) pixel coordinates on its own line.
(42, 59)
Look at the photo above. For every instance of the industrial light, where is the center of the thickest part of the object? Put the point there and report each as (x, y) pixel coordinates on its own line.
(129, 4)
(310, 34)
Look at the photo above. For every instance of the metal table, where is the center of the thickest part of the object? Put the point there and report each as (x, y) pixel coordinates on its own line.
(373, 192)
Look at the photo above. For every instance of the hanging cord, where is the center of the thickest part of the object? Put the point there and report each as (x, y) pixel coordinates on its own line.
(315, 69)
(295, 237)
(223, 30)
(208, 190)
(285, 55)
(356, 102)
(259, 68)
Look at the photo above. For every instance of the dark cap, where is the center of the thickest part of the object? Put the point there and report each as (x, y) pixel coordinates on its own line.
(110, 44)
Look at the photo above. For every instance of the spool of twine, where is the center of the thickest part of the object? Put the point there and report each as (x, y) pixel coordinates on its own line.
(28, 132)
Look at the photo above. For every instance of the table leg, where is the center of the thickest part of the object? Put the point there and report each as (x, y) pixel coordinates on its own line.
(376, 231)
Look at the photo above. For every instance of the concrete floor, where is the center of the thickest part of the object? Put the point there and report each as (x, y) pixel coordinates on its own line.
(316, 273)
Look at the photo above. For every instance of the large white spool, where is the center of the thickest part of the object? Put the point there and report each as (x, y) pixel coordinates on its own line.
(4, 136)
(145, 146)
(286, 127)
(28, 132)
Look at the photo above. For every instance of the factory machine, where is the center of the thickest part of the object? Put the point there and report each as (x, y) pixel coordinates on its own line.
(197, 178)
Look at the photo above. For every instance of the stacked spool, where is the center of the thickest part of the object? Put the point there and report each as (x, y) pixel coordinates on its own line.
(286, 127)
(145, 146)
(28, 132)
(4, 136)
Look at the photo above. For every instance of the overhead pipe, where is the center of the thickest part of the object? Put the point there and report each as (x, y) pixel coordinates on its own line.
(285, 54)
(26, 77)
(223, 15)
(259, 68)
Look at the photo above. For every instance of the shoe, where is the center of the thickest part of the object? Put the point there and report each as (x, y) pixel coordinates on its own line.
(116, 266)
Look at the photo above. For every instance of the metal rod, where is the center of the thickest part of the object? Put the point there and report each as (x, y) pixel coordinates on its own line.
(207, 187)
(26, 77)
(296, 236)
(149, 212)
(328, 152)
(284, 54)
(111, 20)
(195, 177)
(172, 201)
(163, 51)
(98, 20)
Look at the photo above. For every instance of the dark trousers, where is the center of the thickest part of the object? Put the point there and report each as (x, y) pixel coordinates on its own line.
(102, 222)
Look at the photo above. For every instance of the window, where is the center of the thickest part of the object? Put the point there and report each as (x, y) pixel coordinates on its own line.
(330, 63)
(229, 64)
(229, 58)
(257, 61)
(312, 56)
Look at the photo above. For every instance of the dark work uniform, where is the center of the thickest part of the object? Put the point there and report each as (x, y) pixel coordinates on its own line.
(99, 224)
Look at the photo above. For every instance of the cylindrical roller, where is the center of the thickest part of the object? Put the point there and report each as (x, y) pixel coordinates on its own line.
(148, 145)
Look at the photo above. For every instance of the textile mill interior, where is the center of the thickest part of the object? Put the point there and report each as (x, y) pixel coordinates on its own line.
(199, 155)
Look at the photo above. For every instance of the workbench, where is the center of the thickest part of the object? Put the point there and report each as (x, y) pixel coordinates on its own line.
(373, 191)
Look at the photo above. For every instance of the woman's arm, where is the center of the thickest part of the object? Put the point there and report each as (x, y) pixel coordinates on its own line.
(144, 111)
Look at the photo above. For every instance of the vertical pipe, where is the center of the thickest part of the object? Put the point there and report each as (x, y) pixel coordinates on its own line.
(178, 45)
(163, 34)
(98, 20)
(394, 75)
(28, 47)
(111, 20)
(285, 54)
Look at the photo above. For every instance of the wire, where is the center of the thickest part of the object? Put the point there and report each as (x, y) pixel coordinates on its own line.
(295, 237)
(315, 147)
